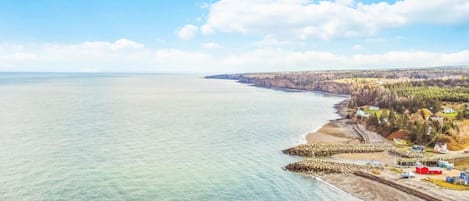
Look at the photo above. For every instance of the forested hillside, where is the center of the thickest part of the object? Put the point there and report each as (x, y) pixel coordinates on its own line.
(426, 105)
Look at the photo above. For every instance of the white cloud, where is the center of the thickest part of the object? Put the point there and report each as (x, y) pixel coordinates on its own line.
(270, 40)
(117, 45)
(19, 56)
(134, 57)
(357, 47)
(187, 31)
(120, 55)
(10, 47)
(125, 43)
(210, 45)
(276, 59)
(304, 19)
(207, 29)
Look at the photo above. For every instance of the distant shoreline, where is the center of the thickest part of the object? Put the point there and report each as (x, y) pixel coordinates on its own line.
(340, 131)
(340, 108)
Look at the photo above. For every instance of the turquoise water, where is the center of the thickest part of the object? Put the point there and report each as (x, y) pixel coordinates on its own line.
(153, 137)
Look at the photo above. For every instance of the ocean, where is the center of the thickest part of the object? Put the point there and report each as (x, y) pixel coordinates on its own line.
(72, 136)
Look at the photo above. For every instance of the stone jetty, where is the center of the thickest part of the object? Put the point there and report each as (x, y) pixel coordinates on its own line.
(406, 153)
(323, 150)
(318, 166)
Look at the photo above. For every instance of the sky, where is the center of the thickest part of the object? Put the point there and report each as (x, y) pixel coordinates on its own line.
(228, 36)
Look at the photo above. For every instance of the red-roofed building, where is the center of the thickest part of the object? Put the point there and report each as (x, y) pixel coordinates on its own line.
(420, 169)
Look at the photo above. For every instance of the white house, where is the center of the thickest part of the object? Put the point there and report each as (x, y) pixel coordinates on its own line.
(373, 108)
(448, 110)
(439, 119)
(362, 113)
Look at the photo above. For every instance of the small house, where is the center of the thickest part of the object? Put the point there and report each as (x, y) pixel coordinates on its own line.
(448, 110)
(445, 164)
(373, 108)
(465, 177)
(439, 119)
(362, 113)
(451, 180)
(418, 148)
(421, 169)
(440, 148)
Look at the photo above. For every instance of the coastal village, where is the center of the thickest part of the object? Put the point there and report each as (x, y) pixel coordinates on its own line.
(426, 172)
(439, 173)
(406, 131)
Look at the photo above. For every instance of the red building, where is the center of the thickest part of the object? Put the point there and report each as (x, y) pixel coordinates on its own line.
(420, 169)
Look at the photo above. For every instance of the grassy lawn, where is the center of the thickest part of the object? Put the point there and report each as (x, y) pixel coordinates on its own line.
(376, 112)
(449, 115)
(396, 170)
(446, 185)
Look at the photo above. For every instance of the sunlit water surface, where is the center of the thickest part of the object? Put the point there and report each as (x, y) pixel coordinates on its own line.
(153, 137)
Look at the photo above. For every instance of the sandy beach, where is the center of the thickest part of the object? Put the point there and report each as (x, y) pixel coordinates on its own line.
(341, 131)
(336, 131)
(366, 189)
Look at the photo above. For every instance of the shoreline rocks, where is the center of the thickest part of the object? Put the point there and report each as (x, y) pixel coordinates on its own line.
(323, 150)
(314, 166)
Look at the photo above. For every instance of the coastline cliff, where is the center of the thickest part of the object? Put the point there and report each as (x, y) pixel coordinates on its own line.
(342, 82)
(294, 81)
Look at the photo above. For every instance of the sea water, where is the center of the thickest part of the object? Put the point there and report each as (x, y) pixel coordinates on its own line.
(154, 137)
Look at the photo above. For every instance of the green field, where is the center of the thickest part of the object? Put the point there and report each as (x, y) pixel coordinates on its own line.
(376, 112)
(450, 115)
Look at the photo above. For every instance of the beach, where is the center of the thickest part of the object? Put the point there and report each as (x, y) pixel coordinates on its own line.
(336, 131)
(340, 131)
(347, 153)
(366, 189)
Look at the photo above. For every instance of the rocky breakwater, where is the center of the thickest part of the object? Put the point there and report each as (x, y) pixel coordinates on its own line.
(406, 153)
(318, 166)
(323, 150)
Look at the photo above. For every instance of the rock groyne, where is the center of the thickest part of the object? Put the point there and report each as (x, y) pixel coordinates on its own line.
(318, 166)
(323, 150)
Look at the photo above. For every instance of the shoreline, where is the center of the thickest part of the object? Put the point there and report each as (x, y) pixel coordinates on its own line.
(318, 178)
(341, 131)
(338, 130)
(344, 131)
(338, 145)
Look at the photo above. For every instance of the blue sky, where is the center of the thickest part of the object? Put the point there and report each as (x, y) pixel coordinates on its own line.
(231, 35)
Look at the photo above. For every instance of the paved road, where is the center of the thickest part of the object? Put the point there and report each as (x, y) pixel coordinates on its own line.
(368, 137)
